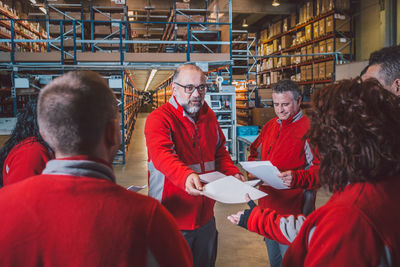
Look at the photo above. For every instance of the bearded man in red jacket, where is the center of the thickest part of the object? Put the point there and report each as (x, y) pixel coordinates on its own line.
(184, 140)
(74, 214)
(281, 142)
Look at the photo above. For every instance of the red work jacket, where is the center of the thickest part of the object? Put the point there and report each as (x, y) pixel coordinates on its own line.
(282, 143)
(178, 146)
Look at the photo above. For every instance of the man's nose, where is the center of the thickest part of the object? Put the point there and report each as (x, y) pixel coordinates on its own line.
(196, 93)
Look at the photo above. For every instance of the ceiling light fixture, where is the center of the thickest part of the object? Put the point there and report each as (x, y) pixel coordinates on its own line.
(151, 76)
(244, 23)
(43, 10)
(275, 3)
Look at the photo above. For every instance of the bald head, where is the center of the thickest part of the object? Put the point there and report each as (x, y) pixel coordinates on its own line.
(73, 111)
(186, 68)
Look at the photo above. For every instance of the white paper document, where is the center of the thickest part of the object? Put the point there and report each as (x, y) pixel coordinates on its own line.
(136, 188)
(265, 171)
(231, 191)
(211, 177)
(253, 183)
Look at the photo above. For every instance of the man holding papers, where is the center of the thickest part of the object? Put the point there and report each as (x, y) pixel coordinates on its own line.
(281, 142)
(184, 140)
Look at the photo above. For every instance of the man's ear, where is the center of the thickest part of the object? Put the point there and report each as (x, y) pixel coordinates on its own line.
(396, 87)
(110, 133)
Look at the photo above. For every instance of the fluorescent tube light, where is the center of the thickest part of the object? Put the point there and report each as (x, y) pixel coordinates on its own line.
(151, 76)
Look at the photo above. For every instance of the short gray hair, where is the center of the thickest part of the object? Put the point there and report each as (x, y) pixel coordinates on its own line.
(287, 86)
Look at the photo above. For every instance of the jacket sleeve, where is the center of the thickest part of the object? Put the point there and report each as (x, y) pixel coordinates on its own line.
(161, 151)
(343, 237)
(28, 161)
(268, 223)
(167, 245)
(307, 179)
(223, 160)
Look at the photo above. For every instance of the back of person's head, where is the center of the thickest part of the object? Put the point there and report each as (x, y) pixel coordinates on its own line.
(73, 111)
(25, 127)
(286, 86)
(355, 126)
(389, 60)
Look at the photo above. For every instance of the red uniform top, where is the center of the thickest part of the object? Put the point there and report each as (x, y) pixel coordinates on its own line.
(178, 146)
(26, 159)
(357, 227)
(61, 219)
(282, 143)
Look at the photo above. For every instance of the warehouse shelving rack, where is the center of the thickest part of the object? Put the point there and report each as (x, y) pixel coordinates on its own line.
(38, 65)
(304, 62)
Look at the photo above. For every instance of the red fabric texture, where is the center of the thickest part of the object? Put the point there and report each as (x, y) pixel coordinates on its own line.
(283, 145)
(352, 229)
(26, 159)
(62, 220)
(174, 142)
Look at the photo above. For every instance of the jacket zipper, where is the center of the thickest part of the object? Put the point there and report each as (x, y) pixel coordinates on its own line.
(277, 137)
(198, 143)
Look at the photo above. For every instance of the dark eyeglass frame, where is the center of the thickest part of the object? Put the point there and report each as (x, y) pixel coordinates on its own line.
(189, 89)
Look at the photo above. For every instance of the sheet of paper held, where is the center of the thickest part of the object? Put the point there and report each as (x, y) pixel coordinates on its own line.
(136, 188)
(230, 190)
(211, 177)
(265, 171)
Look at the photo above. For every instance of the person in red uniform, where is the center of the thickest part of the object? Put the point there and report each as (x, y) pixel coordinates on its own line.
(355, 127)
(183, 140)
(74, 214)
(25, 153)
(281, 142)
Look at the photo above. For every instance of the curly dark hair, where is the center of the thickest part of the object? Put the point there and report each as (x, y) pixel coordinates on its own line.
(355, 126)
(26, 126)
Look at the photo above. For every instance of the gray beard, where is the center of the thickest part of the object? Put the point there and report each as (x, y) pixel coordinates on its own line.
(190, 110)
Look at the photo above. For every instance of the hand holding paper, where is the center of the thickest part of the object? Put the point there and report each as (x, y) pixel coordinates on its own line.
(265, 171)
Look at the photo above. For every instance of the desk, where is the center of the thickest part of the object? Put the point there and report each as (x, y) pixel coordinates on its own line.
(243, 142)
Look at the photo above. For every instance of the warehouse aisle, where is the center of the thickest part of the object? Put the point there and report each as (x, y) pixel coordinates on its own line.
(237, 247)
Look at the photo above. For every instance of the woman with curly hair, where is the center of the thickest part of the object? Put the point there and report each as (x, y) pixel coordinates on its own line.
(355, 126)
(25, 153)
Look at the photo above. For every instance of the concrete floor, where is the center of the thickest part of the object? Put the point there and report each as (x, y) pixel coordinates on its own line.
(237, 246)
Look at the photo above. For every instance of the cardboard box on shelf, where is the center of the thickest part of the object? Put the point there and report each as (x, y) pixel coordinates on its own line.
(321, 24)
(322, 46)
(285, 60)
(303, 73)
(308, 32)
(316, 29)
(329, 24)
(310, 9)
(285, 25)
(261, 116)
(265, 93)
(329, 69)
(55, 15)
(181, 5)
(182, 18)
(293, 19)
(309, 72)
(197, 18)
(342, 45)
(102, 16)
(103, 29)
(303, 51)
(286, 41)
(316, 50)
(309, 51)
(73, 15)
(315, 74)
(317, 7)
(69, 28)
(275, 45)
(117, 16)
(321, 75)
(275, 60)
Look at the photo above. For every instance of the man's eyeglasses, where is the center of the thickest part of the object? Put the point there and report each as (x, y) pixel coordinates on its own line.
(189, 89)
